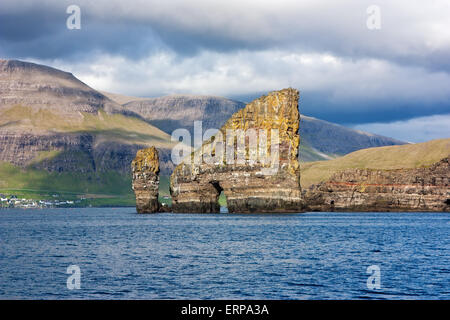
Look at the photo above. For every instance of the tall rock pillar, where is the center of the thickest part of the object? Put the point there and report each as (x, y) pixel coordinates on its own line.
(145, 183)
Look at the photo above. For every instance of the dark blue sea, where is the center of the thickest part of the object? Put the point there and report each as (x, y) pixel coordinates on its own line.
(123, 255)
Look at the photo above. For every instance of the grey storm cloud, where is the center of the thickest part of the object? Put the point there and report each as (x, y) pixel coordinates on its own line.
(239, 49)
(411, 33)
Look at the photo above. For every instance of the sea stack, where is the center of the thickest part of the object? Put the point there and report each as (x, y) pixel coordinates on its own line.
(256, 174)
(145, 171)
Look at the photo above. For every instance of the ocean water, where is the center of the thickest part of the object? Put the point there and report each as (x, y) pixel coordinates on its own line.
(123, 255)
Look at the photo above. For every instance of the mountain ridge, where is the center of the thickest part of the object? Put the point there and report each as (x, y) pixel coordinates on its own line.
(37, 85)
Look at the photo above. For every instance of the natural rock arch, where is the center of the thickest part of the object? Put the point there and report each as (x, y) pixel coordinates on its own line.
(195, 187)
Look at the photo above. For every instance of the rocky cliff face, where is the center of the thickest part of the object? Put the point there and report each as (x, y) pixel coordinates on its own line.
(54, 152)
(254, 176)
(418, 189)
(72, 152)
(145, 171)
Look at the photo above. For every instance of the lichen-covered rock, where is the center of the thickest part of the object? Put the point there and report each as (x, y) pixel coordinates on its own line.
(255, 174)
(418, 189)
(145, 170)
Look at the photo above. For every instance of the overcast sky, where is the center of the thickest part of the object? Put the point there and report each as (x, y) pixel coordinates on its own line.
(393, 81)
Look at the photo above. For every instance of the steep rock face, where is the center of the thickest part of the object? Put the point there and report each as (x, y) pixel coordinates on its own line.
(23, 149)
(418, 189)
(269, 184)
(72, 152)
(145, 170)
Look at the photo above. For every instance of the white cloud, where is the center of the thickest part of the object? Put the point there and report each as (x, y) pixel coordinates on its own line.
(241, 72)
(414, 130)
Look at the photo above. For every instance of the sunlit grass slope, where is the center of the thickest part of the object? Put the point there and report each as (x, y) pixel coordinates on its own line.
(117, 127)
(391, 157)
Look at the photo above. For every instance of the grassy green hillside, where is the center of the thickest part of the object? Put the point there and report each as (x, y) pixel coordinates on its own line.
(107, 188)
(99, 188)
(12, 177)
(307, 153)
(392, 157)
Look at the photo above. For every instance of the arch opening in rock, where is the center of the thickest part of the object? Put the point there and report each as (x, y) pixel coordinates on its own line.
(221, 199)
(217, 186)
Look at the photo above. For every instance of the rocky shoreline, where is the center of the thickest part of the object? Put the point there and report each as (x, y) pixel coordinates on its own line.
(420, 189)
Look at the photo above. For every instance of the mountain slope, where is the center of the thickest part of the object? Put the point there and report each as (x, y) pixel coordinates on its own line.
(37, 86)
(335, 140)
(54, 127)
(121, 98)
(180, 111)
(390, 157)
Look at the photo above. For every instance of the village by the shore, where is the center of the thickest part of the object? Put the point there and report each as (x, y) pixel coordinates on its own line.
(13, 201)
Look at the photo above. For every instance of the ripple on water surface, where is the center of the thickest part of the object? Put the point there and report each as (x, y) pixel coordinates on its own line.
(320, 255)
